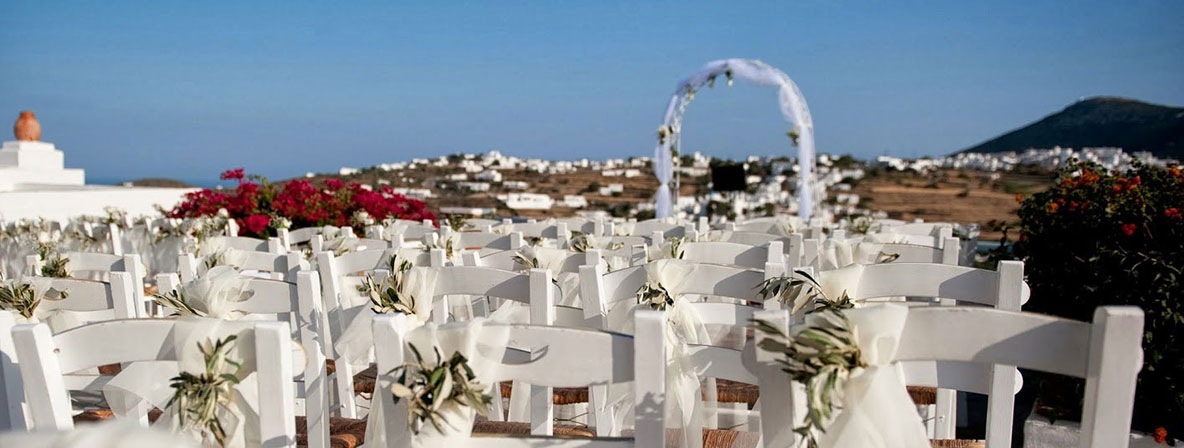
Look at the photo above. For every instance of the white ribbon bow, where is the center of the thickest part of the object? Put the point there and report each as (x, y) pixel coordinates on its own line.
(471, 339)
(876, 410)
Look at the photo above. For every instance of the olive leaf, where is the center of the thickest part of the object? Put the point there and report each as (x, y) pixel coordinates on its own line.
(821, 356)
(428, 388)
(390, 295)
(198, 397)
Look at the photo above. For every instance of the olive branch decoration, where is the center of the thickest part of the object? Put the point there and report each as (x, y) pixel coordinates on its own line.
(199, 397)
(582, 243)
(389, 295)
(821, 356)
(448, 244)
(22, 298)
(428, 388)
(655, 295)
(176, 300)
(799, 290)
(456, 222)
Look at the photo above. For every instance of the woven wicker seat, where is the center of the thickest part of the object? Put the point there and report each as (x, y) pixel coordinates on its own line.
(98, 415)
(523, 428)
(364, 381)
(954, 443)
(560, 395)
(343, 432)
(923, 395)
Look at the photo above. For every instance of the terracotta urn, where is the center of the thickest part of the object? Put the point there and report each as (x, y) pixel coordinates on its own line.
(27, 128)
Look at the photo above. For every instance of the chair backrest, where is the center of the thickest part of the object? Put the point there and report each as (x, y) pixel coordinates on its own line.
(246, 243)
(299, 305)
(342, 274)
(487, 240)
(282, 266)
(101, 265)
(1107, 353)
(732, 254)
(557, 231)
(533, 287)
(563, 357)
(504, 260)
(93, 300)
(584, 225)
(302, 235)
(754, 238)
(601, 291)
(47, 359)
(1003, 288)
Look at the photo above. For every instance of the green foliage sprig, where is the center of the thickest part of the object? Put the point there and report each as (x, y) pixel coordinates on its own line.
(655, 296)
(799, 290)
(22, 298)
(198, 397)
(176, 300)
(429, 388)
(390, 295)
(822, 356)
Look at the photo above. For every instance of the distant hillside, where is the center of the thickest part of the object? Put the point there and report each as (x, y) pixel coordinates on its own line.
(1101, 121)
(160, 183)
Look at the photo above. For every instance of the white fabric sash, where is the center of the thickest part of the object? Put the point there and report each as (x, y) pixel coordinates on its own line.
(145, 385)
(684, 327)
(356, 344)
(473, 339)
(876, 410)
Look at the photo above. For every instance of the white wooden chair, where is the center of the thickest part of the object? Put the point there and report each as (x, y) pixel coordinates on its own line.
(555, 231)
(341, 276)
(277, 266)
(733, 254)
(565, 357)
(601, 291)
(504, 260)
(247, 243)
(49, 362)
(1004, 289)
(755, 238)
(1107, 353)
(299, 305)
(12, 393)
(93, 300)
(486, 241)
(594, 227)
(101, 265)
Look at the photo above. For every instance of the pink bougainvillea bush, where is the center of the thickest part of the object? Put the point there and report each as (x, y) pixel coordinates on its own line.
(260, 207)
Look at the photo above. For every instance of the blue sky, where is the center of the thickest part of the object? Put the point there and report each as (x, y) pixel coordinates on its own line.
(186, 89)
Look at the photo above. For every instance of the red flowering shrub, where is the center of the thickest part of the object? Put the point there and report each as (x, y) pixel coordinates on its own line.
(255, 202)
(1112, 238)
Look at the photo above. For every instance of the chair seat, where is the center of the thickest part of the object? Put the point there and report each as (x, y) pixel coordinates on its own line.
(955, 443)
(923, 395)
(98, 415)
(523, 428)
(343, 432)
(559, 395)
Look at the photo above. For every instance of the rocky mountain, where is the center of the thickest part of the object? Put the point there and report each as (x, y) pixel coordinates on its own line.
(1101, 121)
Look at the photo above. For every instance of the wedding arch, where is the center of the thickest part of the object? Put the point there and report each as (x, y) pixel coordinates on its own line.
(793, 108)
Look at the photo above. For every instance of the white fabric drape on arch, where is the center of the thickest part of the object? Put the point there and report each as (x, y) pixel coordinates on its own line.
(793, 108)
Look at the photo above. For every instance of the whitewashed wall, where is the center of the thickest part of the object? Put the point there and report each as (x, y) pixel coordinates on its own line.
(65, 202)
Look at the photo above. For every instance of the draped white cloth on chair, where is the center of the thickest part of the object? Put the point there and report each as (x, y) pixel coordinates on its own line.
(876, 410)
(477, 338)
(684, 327)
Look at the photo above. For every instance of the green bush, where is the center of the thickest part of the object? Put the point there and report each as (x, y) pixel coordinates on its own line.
(1112, 238)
